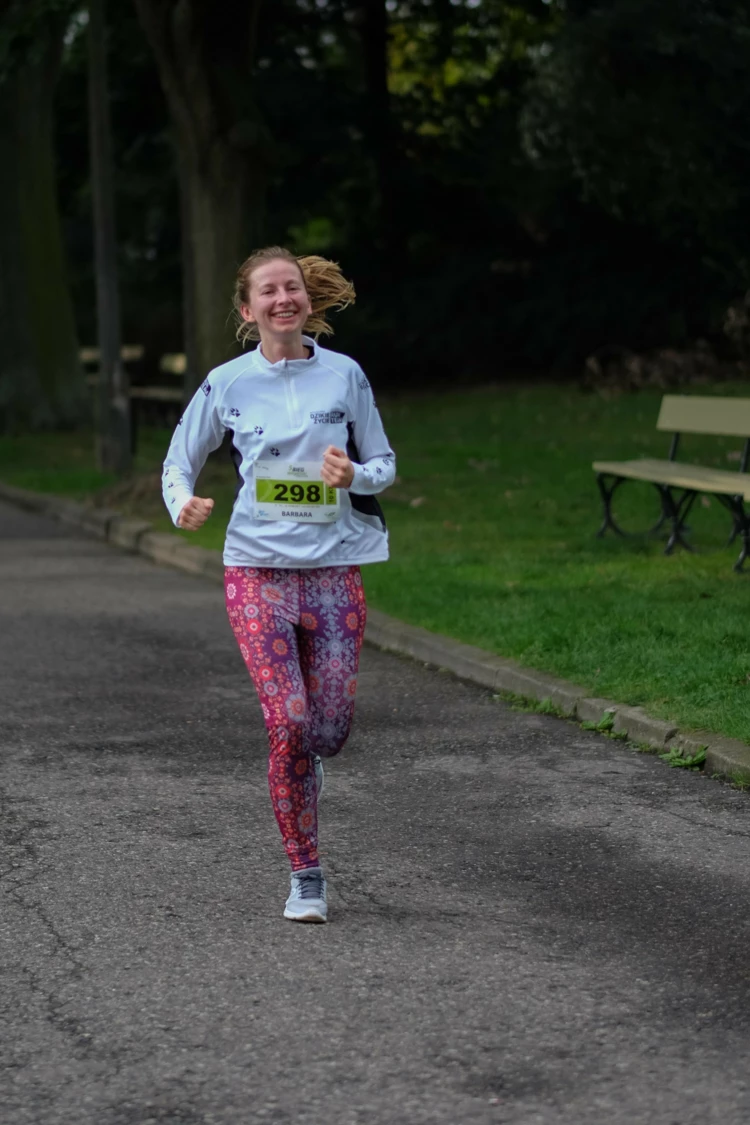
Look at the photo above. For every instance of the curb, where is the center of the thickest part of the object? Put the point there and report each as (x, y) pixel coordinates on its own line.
(726, 757)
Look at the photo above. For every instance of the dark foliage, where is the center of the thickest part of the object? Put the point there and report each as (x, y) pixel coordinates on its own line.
(520, 185)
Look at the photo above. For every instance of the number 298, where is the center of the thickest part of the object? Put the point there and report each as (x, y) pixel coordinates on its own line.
(296, 493)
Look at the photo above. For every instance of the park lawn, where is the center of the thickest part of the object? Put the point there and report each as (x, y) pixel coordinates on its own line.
(493, 520)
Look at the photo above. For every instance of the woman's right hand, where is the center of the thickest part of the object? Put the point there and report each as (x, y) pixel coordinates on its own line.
(195, 513)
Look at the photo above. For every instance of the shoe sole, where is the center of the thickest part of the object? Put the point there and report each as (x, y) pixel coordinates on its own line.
(312, 916)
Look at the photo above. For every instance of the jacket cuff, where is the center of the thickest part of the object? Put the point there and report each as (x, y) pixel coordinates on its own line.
(360, 480)
(176, 501)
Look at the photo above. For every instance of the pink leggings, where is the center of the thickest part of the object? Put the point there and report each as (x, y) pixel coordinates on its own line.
(299, 632)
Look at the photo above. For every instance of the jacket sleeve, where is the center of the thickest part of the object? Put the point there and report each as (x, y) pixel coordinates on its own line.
(198, 433)
(375, 461)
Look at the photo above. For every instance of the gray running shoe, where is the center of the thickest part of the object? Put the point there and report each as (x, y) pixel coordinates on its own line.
(307, 900)
(319, 775)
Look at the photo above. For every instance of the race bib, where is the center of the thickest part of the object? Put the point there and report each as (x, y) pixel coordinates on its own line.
(293, 492)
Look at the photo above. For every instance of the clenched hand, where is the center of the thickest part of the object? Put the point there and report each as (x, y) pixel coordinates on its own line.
(195, 513)
(337, 471)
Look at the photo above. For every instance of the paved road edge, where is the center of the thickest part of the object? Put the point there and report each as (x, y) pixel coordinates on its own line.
(726, 757)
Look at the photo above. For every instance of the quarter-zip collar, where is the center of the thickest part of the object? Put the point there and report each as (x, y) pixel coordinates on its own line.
(288, 366)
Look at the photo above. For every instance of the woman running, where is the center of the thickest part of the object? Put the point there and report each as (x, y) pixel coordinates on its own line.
(310, 453)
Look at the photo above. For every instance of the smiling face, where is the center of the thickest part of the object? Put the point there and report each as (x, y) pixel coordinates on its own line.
(278, 301)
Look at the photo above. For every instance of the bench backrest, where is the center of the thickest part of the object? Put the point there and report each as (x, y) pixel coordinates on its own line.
(704, 414)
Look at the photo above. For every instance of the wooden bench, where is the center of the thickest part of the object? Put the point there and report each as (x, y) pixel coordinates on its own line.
(164, 402)
(678, 483)
(129, 353)
(168, 401)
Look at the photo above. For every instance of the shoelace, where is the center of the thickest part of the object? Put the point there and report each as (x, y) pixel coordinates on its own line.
(309, 886)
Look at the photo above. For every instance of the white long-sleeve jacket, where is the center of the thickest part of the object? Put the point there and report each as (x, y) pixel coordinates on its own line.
(291, 411)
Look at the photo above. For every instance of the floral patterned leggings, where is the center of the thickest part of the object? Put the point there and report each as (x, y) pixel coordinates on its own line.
(300, 633)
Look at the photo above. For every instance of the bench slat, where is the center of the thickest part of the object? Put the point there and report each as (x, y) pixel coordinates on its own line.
(157, 394)
(695, 477)
(704, 414)
(174, 363)
(129, 353)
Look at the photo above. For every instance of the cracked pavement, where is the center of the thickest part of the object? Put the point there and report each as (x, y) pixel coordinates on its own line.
(530, 924)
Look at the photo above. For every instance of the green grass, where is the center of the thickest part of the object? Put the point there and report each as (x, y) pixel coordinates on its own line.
(493, 523)
(64, 463)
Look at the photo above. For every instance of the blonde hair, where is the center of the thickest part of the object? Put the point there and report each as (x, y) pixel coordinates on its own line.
(324, 282)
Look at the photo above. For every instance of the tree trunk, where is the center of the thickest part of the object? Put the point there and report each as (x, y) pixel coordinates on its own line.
(41, 379)
(19, 384)
(113, 414)
(204, 53)
(379, 124)
(223, 205)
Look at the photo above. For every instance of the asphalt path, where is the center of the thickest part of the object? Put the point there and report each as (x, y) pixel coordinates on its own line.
(529, 923)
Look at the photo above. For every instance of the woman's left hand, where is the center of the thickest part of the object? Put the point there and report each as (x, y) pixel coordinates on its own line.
(337, 471)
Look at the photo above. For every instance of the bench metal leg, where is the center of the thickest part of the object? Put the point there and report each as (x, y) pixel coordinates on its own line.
(666, 512)
(675, 508)
(134, 420)
(736, 530)
(607, 491)
(736, 506)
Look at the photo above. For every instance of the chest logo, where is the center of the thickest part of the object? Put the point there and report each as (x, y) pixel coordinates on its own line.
(328, 417)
